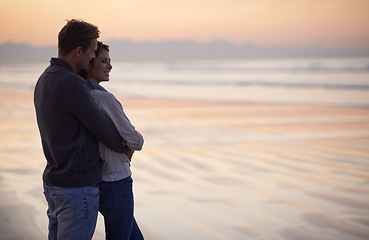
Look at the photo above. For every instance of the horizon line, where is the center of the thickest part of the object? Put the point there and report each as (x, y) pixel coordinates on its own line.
(249, 43)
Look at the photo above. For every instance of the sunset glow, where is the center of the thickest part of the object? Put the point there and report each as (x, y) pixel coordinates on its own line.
(332, 23)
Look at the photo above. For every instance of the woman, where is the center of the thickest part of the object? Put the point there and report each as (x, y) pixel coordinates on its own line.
(116, 196)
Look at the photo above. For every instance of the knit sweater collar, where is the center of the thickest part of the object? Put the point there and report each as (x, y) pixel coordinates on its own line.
(61, 62)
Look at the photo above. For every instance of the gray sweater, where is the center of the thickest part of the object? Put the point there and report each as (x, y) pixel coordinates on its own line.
(116, 165)
(70, 125)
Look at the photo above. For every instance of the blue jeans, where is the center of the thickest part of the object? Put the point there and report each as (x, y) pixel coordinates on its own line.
(72, 212)
(116, 205)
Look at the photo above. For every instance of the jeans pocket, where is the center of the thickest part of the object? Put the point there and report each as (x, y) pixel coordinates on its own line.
(93, 198)
(66, 207)
(127, 186)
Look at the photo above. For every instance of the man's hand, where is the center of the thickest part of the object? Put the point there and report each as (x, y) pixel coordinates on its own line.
(130, 154)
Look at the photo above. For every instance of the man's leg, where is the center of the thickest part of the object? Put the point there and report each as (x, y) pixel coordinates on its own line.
(75, 210)
(51, 214)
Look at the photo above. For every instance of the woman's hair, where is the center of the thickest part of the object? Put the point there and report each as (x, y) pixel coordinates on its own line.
(100, 46)
(76, 33)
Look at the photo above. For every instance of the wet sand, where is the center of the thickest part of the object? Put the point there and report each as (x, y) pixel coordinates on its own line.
(213, 170)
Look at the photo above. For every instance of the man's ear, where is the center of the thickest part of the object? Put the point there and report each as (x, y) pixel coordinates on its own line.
(78, 51)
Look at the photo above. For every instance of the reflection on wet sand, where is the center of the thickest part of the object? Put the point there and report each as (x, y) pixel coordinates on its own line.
(219, 170)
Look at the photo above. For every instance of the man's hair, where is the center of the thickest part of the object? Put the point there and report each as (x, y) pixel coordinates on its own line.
(100, 46)
(76, 33)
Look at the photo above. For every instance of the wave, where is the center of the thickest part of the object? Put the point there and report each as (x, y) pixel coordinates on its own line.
(357, 65)
(244, 84)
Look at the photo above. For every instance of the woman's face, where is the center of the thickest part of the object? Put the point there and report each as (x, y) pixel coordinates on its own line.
(100, 69)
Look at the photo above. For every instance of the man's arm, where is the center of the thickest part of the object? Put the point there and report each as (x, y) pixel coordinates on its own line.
(114, 111)
(90, 115)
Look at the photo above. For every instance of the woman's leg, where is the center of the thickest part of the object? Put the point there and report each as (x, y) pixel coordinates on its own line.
(136, 232)
(116, 205)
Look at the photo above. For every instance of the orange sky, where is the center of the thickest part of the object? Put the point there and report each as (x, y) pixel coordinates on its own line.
(332, 23)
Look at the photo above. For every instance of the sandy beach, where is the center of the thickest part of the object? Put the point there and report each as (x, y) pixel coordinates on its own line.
(213, 170)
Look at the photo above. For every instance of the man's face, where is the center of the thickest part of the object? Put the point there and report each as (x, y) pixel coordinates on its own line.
(88, 55)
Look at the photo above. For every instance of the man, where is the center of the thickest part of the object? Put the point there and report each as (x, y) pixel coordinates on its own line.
(70, 125)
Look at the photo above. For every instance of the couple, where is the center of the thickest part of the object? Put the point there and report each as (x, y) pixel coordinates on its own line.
(87, 141)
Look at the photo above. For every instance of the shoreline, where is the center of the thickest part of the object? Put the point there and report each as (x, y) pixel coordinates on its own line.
(121, 96)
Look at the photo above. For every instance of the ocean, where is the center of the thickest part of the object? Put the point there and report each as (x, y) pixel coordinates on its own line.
(327, 81)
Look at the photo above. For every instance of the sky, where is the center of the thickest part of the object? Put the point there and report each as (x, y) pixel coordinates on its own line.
(325, 23)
